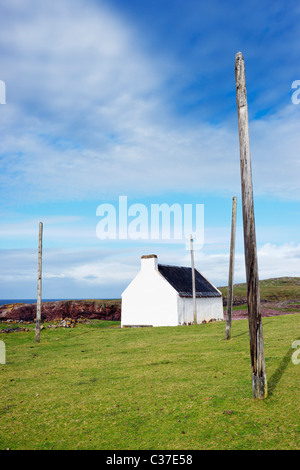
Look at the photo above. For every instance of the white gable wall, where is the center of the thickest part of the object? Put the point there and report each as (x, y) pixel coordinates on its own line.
(149, 299)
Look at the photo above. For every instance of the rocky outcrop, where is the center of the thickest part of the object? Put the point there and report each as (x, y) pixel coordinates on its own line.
(73, 309)
(235, 301)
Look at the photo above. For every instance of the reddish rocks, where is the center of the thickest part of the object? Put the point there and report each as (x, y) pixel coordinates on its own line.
(235, 301)
(62, 309)
(268, 310)
(111, 310)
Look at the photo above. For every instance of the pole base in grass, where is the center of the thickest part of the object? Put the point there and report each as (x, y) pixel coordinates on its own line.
(259, 387)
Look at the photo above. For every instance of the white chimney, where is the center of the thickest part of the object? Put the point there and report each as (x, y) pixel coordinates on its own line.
(149, 262)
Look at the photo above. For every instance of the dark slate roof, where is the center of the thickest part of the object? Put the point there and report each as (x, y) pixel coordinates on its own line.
(181, 279)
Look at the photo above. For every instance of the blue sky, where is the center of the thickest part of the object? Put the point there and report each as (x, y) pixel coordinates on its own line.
(126, 97)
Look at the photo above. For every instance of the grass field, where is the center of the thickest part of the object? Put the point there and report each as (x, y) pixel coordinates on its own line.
(97, 386)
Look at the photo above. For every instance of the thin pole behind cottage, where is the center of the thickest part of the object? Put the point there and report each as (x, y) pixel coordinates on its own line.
(259, 380)
(193, 282)
(231, 269)
(39, 288)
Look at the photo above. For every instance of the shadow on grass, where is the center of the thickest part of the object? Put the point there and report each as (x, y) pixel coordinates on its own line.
(275, 378)
(246, 332)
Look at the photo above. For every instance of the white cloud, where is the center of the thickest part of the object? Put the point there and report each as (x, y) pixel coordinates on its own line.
(283, 260)
(275, 150)
(86, 116)
(102, 273)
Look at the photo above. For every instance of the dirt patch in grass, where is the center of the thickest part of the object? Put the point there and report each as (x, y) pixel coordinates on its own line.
(269, 309)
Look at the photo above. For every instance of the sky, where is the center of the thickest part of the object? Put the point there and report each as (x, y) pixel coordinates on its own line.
(126, 100)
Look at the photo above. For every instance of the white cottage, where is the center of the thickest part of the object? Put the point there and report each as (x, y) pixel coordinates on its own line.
(162, 295)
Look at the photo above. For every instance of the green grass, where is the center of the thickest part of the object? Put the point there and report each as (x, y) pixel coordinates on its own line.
(93, 387)
(275, 289)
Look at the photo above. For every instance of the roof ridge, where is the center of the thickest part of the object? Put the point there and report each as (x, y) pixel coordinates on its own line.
(174, 266)
(180, 278)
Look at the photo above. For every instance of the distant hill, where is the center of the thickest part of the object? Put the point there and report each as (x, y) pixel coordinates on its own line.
(274, 289)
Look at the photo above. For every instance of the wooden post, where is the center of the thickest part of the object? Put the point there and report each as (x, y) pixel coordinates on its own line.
(39, 288)
(231, 270)
(259, 380)
(193, 283)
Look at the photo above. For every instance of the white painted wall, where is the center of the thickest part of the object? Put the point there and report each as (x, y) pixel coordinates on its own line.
(149, 299)
(211, 308)
(208, 308)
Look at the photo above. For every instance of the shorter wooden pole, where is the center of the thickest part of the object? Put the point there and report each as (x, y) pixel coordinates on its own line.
(193, 282)
(39, 288)
(231, 270)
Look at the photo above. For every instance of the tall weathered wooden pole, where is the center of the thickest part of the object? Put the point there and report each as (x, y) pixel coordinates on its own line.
(259, 380)
(193, 282)
(231, 270)
(39, 288)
